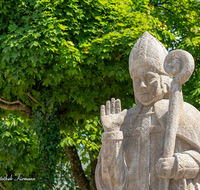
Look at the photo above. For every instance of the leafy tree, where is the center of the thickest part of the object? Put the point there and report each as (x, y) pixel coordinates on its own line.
(64, 178)
(60, 60)
(66, 58)
(18, 153)
(182, 19)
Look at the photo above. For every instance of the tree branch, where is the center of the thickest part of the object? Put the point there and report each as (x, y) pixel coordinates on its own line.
(92, 174)
(85, 78)
(10, 106)
(2, 187)
(77, 170)
(30, 96)
(119, 56)
(15, 107)
(40, 83)
(9, 103)
(104, 83)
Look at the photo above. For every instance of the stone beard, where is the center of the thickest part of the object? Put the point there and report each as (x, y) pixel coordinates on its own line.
(133, 142)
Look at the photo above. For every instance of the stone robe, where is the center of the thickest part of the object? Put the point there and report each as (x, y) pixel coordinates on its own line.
(128, 157)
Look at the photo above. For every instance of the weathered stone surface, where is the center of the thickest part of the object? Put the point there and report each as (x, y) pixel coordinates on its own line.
(156, 144)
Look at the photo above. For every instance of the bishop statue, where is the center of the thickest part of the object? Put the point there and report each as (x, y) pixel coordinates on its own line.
(156, 144)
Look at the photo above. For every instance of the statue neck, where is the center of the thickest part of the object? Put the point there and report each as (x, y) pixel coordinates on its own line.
(147, 109)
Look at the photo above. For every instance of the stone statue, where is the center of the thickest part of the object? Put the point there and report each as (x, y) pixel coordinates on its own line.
(156, 144)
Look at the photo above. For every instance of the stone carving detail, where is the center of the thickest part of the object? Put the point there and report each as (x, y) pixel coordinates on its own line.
(156, 144)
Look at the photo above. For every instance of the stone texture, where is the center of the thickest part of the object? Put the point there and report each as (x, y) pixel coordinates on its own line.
(156, 144)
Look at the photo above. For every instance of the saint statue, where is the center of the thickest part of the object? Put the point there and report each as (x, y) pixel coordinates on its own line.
(156, 144)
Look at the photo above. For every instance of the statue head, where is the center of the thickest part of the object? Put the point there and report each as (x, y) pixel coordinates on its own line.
(146, 66)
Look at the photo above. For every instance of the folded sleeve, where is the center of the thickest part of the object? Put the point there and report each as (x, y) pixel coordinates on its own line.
(111, 170)
(187, 164)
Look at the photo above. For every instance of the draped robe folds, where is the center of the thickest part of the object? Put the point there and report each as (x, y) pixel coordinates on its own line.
(128, 157)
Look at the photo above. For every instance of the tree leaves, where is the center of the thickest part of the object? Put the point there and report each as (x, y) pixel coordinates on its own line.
(18, 150)
(46, 127)
(12, 27)
(75, 55)
(6, 134)
(180, 21)
(62, 45)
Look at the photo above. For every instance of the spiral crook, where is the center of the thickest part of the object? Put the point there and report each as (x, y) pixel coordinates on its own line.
(179, 64)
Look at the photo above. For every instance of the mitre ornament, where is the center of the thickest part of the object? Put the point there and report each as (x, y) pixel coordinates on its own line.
(147, 51)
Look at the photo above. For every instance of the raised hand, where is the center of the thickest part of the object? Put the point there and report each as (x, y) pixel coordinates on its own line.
(111, 115)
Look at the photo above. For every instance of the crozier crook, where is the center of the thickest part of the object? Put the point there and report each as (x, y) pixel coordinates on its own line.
(179, 64)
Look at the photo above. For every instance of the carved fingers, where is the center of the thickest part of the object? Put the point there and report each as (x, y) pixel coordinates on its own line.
(118, 106)
(108, 107)
(166, 167)
(103, 112)
(111, 115)
(112, 107)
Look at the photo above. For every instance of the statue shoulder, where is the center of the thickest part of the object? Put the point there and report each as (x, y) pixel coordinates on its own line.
(130, 116)
(191, 110)
(190, 117)
(189, 125)
(134, 110)
(162, 106)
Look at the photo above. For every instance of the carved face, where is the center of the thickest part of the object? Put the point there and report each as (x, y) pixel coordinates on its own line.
(147, 85)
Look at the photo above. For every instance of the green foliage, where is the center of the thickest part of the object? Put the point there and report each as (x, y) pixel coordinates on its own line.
(72, 50)
(63, 177)
(182, 19)
(18, 152)
(86, 137)
(46, 126)
(75, 55)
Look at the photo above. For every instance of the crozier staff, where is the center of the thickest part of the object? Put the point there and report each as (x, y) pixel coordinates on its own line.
(180, 65)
